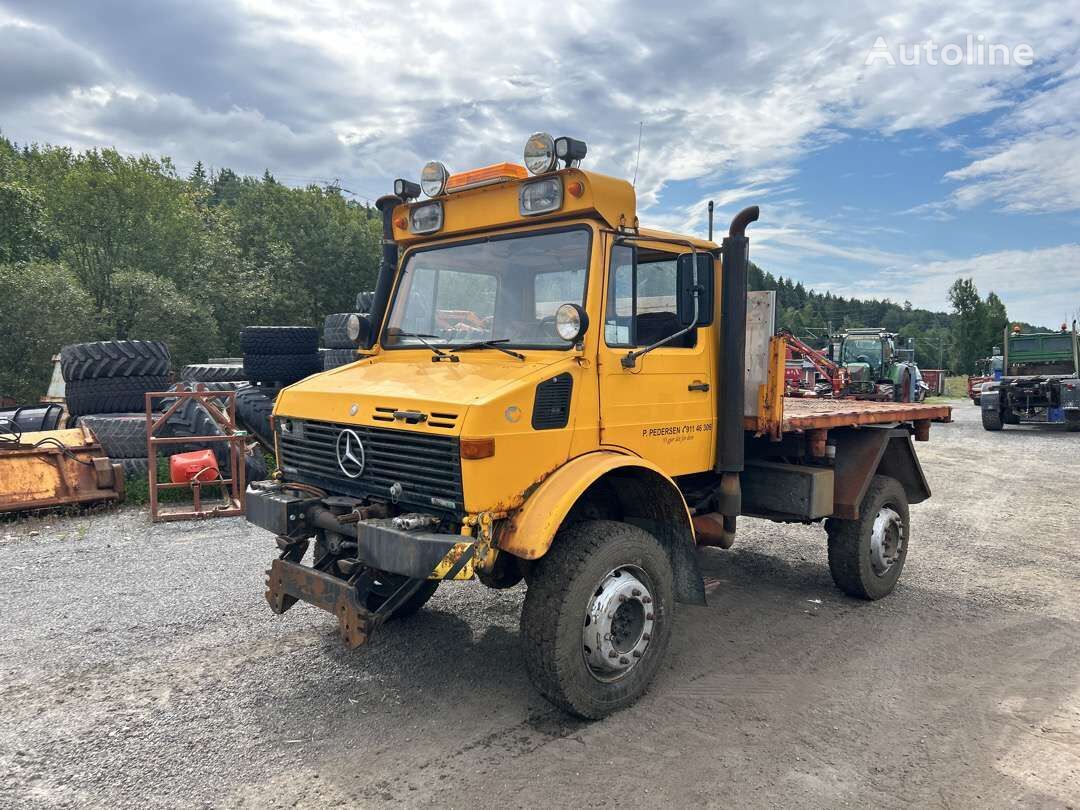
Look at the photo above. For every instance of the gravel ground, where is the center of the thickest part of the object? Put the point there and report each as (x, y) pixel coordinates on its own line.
(141, 666)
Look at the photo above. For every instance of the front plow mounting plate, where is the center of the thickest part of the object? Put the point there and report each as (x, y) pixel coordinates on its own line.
(288, 582)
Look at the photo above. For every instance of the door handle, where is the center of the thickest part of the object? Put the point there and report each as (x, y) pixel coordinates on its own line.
(697, 386)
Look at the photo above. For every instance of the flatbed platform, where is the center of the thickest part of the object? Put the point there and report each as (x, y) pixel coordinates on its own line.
(802, 413)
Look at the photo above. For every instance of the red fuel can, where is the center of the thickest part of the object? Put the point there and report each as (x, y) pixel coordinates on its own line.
(198, 465)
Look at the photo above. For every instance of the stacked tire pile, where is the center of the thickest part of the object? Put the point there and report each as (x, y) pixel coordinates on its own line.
(340, 334)
(106, 384)
(275, 356)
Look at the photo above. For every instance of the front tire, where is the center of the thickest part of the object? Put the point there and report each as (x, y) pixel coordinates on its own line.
(867, 555)
(597, 617)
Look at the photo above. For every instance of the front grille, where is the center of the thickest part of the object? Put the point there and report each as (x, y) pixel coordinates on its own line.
(427, 468)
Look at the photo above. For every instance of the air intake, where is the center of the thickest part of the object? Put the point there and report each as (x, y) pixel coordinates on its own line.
(551, 408)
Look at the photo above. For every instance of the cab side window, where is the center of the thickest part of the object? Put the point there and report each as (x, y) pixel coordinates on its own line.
(641, 299)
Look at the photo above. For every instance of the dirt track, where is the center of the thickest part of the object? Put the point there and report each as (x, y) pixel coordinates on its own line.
(140, 665)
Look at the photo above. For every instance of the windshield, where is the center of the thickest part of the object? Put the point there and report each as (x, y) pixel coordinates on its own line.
(505, 289)
(862, 350)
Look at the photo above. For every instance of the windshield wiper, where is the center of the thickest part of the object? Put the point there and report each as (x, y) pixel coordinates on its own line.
(490, 344)
(439, 353)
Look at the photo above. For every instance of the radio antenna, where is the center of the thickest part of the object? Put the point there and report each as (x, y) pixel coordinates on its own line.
(637, 162)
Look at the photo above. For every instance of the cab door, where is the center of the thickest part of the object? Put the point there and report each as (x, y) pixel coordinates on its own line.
(663, 408)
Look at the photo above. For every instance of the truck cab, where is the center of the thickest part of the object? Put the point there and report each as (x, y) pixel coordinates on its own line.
(548, 391)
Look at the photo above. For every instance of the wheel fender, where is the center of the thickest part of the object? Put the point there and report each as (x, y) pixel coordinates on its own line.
(990, 400)
(529, 532)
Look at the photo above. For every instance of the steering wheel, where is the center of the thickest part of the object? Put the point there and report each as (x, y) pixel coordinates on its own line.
(547, 325)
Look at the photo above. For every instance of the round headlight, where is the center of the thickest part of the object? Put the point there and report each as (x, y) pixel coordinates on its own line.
(540, 153)
(571, 321)
(352, 327)
(433, 178)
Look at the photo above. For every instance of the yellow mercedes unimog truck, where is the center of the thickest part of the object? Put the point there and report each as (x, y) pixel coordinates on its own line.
(545, 390)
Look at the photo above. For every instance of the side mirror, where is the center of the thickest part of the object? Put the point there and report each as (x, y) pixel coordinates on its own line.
(687, 279)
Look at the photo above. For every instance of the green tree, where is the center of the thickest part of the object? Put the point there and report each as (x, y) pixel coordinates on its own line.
(997, 320)
(22, 224)
(969, 325)
(42, 307)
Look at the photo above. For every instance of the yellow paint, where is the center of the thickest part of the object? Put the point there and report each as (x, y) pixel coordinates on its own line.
(529, 532)
(646, 416)
(452, 556)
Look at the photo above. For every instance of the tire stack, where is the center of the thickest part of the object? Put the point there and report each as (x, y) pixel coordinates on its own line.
(106, 383)
(339, 338)
(280, 355)
(113, 376)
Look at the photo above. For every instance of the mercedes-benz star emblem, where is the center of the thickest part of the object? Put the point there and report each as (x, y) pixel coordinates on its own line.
(350, 453)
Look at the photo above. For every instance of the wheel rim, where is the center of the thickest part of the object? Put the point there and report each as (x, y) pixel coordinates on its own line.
(619, 621)
(886, 540)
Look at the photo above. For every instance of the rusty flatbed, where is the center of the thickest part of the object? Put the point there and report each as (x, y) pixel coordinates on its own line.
(802, 414)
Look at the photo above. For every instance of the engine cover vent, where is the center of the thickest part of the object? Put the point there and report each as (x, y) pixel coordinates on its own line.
(551, 408)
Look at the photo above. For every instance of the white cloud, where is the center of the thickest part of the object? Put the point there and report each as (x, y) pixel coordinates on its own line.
(1040, 286)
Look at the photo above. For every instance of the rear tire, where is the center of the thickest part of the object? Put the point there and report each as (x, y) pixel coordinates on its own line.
(991, 419)
(572, 602)
(867, 555)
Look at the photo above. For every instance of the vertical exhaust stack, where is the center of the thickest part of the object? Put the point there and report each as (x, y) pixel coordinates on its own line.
(387, 266)
(718, 528)
(735, 251)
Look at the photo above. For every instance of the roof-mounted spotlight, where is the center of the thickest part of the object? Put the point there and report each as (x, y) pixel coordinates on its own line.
(406, 189)
(570, 151)
(433, 178)
(540, 153)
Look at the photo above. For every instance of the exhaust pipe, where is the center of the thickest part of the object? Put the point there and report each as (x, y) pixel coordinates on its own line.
(735, 252)
(718, 528)
(387, 267)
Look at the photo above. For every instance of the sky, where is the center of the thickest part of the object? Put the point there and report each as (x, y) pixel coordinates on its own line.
(887, 153)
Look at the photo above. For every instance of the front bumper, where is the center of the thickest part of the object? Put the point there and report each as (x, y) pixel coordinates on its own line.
(416, 554)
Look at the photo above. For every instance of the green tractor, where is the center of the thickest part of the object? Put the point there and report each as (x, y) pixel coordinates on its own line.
(877, 368)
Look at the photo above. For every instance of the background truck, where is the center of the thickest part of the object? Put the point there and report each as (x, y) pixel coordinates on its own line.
(549, 392)
(1039, 381)
(878, 368)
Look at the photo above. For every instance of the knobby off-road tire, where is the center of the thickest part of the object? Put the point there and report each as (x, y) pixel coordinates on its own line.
(336, 331)
(111, 394)
(555, 620)
(991, 420)
(254, 405)
(281, 368)
(114, 358)
(121, 435)
(279, 340)
(333, 358)
(866, 556)
(212, 373)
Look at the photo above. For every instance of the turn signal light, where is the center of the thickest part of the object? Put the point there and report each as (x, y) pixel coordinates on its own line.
(478, 448)
(575, 188)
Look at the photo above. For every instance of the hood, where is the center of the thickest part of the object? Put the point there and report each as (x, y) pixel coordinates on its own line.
(369, 391)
